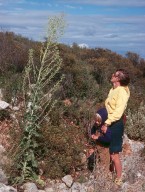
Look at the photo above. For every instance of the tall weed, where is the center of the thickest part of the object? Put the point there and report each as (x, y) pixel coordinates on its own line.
(40, 84)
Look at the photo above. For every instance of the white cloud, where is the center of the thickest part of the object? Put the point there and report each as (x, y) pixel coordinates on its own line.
(83, 45)
(110, 36)
(138, 3)
(69, 6)
(98, 30)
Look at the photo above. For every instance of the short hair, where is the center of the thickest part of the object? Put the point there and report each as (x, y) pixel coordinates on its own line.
(123, 77)
(98, 117)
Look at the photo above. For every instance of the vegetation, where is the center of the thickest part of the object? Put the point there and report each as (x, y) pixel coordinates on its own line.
(59, 88)
(135, 123)
(39, 88)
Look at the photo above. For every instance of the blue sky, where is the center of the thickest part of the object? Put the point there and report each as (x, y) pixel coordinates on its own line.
(118, 25)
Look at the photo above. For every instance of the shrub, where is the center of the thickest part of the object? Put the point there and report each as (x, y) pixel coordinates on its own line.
(12, 85)
(62, 146)
(135, 127)
(4, 114)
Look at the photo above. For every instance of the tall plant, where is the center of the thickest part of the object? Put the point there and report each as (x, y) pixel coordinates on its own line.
(40, 84)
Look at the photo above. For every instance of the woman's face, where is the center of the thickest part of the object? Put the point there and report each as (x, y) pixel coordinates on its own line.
(98, 120)
(115, 77)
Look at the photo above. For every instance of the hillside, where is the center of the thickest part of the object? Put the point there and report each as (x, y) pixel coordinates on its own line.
(75, 85)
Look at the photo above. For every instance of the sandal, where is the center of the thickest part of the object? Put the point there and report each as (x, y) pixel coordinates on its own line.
(118, 181)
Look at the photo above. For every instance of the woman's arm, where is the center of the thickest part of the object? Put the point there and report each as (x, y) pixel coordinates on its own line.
(120, 106)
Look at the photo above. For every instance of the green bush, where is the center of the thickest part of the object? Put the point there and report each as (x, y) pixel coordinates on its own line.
(12, 86)
(135, 126)
(62, 146)
(4, 114)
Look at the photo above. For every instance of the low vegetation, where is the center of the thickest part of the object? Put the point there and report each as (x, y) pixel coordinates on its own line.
(58, 89)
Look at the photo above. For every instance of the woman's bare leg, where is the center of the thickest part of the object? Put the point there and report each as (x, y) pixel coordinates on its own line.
(117, 164)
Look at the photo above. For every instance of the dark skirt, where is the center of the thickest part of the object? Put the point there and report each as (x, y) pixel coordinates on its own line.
(117, 130)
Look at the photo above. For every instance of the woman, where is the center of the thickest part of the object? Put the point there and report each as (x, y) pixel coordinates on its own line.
(96, 132)
(116, 104)
(102, 140)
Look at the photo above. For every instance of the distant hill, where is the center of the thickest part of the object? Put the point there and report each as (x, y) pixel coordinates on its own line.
(87, 70)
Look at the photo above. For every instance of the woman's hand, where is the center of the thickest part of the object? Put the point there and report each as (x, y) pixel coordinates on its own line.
(104, 128)
(94, 137)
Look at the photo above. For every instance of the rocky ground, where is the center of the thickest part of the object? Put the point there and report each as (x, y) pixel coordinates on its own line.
(133, 160)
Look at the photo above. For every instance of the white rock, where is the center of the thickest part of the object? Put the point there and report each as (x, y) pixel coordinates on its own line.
(10, 189)
(62, 186)
(77, 187)
(30, 187)
(4, 188)
(139, 174)
(3, 105)
(15, 108)
(68, 180)
(3, 178)
(49, 189)
(136, 146)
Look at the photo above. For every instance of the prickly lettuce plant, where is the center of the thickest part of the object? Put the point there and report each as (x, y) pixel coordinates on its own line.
(41, 82)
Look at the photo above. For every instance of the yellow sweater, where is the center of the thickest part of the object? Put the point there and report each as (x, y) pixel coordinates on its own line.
(116, 103)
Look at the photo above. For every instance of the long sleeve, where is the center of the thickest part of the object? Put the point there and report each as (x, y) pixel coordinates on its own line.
(116, 103)
(105, 138)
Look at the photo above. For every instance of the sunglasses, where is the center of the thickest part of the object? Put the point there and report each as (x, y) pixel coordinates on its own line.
(115, 75)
